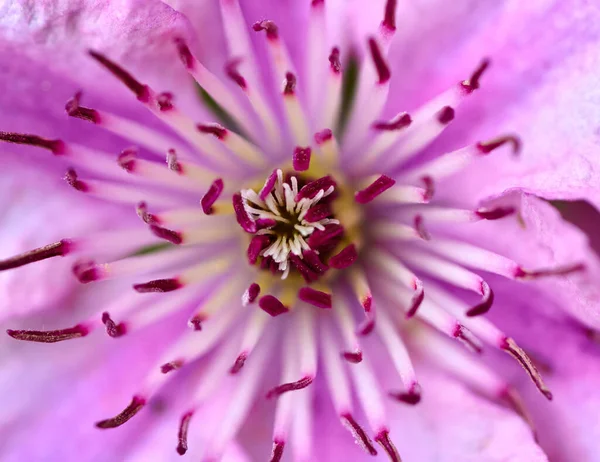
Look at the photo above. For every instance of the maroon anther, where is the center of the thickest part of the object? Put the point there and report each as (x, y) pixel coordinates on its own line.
(361, 437)
(445, 115)
(127, 158)
(301, 158)
(112, 328)
(252, 293)
(495, 213)
(417, 298)
(257, 244)
(521, 273)
(172, 163)
(346, 257)
(231, 69)
(315, 297)
(171, 366)
(137, 403)
(49, 336)
(311, 189)
(211, 196)
(472, 83)
(429, 188)
(317, 213)
(85, 113)
(420, 228)
(289, 87)
(142, 212)
(56, 249)
(389, 18)
(353, 357)
(308, 273)
(291, 386)
(213, 129)
(486, 301)
(323, 136)
(411, 396)
(57, 147)
(158, 285)
(272, 305)
(367, 326)
(174, 237)
(268, 26)
(141, 91)
(485, 147)
(196, 321)
(397, 123)
(86, 271)
(268, 186)
(71, 178)
(462, 334)
(265, 223)
(242, 216)
(165, 101)
(509, 345)
(383, 438)
(182, 444)
(184, 53)
(334, 61)
(379, 186)
(381, 66)
(277, 451)
(327, 239)
(239, 363)
(313, 260)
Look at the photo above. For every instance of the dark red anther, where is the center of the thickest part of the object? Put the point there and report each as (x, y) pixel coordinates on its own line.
(346, 257)
(272, 305)
(317, 213)
(411, 396)
(56, 249)
(211, 196)
(379, 186)
(311, 189)
(495, 213)
(308, 273)
(184, 53)
(334, 61)
(277, 451)
(265, 223)
(171, 366)
(367, 326)
(361, 437)
(521, 273)
(239, 363)
(71, 178)
(85, 113)
(381, 66)
(383, 438)
(353, 357)
(57, 147)
(184, 424)
(472, 83)
(268, 186)
(509, 345)
(142, 212)
(165, 101)
(429, 188)
(174, 237)
(158, 285)
(195, 322)
(313, 261)
(327, 239)
(323, 136)
(389, 18)
(269, 27)
(486, 301)
(141, 91)
(50, 336)
(127, 158)
(420, 228)
(251, 293)
(315, 297)
(417, 298)
(112, 328)
(289, 87)
(291, 386)
(462, 334)
(87, 271)
(231, 69)
(397, 123)
(137, 403)
(301, 158)
(172, 163)
(242, 216)
(257, 244)
(485, 147)
(216, 130)
(445, 115)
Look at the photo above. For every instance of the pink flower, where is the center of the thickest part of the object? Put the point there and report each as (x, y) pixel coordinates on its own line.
(309, 257)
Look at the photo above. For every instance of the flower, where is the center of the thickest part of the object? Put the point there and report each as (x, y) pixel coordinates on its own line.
(315, 258)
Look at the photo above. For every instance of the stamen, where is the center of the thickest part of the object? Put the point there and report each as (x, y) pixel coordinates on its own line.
(311, 189)
(73, 181)
(381, 66)
(171, 366)
(127, 158)
(272, 305)
(429, 188)
(466, 338)
(242, 216)
(399, 122)
(315, 297)
(75, 110)
(231, 69)
(257, 245)
(327, 239)
(353, 357)
(412, 396)
(269, 185)
(182, 445)
(495, 213)
(521, 273)
(277, 451)
(165, 101)
(211, 196)
(184, 53)
(158, 285)
(301, 158)
(216, 130)
(137, 403)
(174, 237)
(472, 83)
(486, 302)
(251, 294)
(113, 329)
(291, 386)
(420, 228)
(346, 257)
(56, 249)
(57, 147)
(268, 26)
(389, 18)
(317, 213)
(141, 91)
(445, 115)
(383, 438)
(239, 363)
(361, 437)
(334, 61)
(50, 336)
(485, 147)
(289, 87)
(380, 185)
(509, 345)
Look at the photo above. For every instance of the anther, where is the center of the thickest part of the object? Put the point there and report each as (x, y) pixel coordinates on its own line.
(411, 396)
(50, 336)
(75, 110)
(127, 158)
(171, 366)
(257, 244)
(417, 298)
(137, 403)
(87, 271)
(158, 285)
(315, 297)
(231, 69)
(182, 445)
(272, 305)
(291, 386)
(268, 186)
(317, 213)
(445, 115)
(486, 301)
(323, 136)
(420, 228)
(389, 18)
(379, 186)
(165, 101)
(239, 363)
(242, 216)
(57, 147)
(251, 294)
(521, 273)
(56, 249)
(172, 163)
(195, 322)
(346, 257)
(174, 237)
(71, 178)
(268, 26)
(184, 53)
(289, 86)
(327, 239)
(277, 451)
(216, 130)
(383, 438)
(301, 158)
(142, 212)
(311, 189)
(141, 91)
(334, 60)
(211, 196)
(353, 357)
(397, 123)
(495, 213)
(381, 66)
(472, 83)
(112, 328)
(462, 334)
(361, 437)
(485, 147)
(429, 188)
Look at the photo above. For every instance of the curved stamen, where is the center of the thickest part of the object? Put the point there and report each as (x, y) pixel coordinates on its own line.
(290, 386)
(57, 147)
(113, 329)
(142, 92)
(361, 437)
(211, 196)
(472, 83)
(56, 249)
(383, 438)
(486, 302)
(50, 336)
(74, 109)
(182, 445)
(379, 186)
(277, 451)
(137, 403)
(381, 66)
(411, 396)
